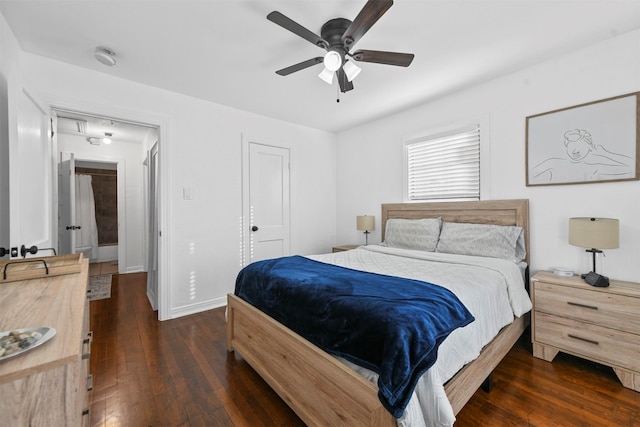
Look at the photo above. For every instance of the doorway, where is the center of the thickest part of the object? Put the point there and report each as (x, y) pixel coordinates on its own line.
(111, 150)
(97, 207)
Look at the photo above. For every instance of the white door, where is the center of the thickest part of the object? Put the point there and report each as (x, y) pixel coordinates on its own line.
(152, 270)
(30, 181)
(268, 201)
(67, 206)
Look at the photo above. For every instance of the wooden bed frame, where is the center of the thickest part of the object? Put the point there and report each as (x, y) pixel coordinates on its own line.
(332, 394)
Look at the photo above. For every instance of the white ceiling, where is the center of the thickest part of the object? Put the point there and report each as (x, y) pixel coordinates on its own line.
(227, 52)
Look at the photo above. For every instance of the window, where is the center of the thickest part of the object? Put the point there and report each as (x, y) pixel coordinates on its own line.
(444, 166)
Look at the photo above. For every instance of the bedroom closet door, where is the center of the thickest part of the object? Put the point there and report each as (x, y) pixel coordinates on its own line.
(268, 201)
(30, 177)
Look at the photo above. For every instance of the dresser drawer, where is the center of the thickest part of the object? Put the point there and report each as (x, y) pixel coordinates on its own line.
(608, 346)
(601, 308)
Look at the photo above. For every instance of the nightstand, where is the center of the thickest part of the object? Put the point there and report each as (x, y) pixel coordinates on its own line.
(598, 324)
(343, 248)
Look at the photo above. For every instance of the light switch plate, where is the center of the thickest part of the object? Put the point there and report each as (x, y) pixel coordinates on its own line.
(186, 193)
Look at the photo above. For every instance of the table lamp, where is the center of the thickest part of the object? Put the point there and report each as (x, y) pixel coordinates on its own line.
(594, 234)
(366, 223)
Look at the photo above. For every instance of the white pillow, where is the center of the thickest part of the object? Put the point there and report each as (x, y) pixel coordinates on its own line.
(420, 234)
(495, 241)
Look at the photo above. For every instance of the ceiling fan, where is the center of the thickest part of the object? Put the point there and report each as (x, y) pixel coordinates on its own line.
(337, 37)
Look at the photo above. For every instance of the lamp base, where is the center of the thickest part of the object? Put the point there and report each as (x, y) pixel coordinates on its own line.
(366, 237)
(593, 251)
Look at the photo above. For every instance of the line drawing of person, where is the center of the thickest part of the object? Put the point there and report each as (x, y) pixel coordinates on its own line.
(585, 161)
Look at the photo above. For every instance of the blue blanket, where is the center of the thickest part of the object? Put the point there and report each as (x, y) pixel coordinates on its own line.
(390, 325)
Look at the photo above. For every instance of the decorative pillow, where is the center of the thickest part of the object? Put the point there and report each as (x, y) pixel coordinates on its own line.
(495, 241)
(420, 234)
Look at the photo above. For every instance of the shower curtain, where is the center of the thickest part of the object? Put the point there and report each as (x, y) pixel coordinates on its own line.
(87, 235)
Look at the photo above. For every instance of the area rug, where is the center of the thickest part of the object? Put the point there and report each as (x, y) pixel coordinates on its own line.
(99, 287)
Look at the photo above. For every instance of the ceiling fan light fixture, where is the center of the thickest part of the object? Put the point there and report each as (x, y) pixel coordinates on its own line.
(107, 137)
(351, 70)
(338, 36)
(332, 60)
(326, 75)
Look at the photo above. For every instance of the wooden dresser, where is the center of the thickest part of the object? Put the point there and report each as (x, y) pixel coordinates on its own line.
(48, 385)
(599, 324)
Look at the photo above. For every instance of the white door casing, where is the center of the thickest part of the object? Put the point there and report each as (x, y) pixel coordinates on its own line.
(117, 111)
(267, 212)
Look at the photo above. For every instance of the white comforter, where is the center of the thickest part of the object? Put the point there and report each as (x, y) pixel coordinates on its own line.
(492, 290)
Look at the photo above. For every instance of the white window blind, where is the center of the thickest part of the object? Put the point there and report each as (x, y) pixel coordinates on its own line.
(445, 165)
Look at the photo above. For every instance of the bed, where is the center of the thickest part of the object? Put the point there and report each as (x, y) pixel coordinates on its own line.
(332, 393)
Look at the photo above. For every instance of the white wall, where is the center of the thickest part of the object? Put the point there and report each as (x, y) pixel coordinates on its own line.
(369, 167)
(202, 149)
(129, 153)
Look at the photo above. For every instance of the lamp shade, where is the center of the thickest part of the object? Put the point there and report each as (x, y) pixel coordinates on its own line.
(326, 75)
(596, 233)
(351, 70)
(366, 223)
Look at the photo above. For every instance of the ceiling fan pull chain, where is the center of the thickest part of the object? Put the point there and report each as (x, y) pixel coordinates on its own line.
(338, 93)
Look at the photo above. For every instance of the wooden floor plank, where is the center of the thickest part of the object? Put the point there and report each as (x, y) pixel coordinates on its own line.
(178, 373)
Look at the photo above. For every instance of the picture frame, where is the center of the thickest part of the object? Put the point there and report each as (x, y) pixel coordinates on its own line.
(588, 143)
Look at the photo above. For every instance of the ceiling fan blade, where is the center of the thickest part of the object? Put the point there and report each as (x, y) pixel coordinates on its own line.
(345, 85)
(300, 66)
(297, 29)
(380, 57)
(369, 15)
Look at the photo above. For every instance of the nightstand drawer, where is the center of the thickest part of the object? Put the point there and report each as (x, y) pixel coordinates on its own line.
(601, 344)
(601, 308)
(343, 248)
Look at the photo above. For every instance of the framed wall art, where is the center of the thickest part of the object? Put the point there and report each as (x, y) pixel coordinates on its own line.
(587, 143)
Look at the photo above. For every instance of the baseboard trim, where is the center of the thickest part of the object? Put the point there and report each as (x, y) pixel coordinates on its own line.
(197, 308)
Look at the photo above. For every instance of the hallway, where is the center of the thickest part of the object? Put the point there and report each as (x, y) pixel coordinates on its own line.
(108, 267)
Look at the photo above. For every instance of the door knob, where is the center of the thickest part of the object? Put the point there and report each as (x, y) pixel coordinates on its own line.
(24, 250)
(254, 228)
(74, 227)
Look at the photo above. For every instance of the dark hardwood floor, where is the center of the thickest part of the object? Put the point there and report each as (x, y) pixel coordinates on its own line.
(178, 373)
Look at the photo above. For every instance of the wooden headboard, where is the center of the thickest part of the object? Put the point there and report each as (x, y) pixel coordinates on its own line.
(497, 212)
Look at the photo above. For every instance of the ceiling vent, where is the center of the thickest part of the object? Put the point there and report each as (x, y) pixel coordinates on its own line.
(81, 126)
(72, 126)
